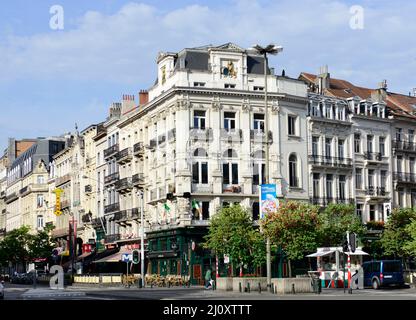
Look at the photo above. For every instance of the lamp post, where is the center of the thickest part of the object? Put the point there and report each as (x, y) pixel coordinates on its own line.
(274, 50)
(141, 195)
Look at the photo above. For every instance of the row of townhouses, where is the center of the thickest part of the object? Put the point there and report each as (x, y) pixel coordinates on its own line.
(195, 142)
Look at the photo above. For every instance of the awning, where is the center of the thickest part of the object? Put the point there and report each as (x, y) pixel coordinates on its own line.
(115, 257)
(84, 255)
(320, 254)
(358, 252)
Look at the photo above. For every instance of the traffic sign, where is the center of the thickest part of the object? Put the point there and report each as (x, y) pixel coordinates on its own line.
(126, 257)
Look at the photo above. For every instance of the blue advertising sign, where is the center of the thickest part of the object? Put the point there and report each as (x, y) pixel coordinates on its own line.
(268, 199)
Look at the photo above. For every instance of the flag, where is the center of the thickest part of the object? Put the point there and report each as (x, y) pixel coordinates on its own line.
(195, 205)
(167, 210)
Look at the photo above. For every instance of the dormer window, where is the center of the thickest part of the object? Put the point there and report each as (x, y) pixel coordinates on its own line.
(229, 86)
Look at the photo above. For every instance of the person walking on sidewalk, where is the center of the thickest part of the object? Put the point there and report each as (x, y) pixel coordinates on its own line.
(208, 279)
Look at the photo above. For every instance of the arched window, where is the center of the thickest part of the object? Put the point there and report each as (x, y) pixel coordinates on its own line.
(230, 153)
(200, 152)
(293, 171)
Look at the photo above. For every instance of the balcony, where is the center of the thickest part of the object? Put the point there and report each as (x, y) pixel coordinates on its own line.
(62, 180)
(200, 223)
(112, 178)
(2, 194)
(260, 136)
(381, 191)
(135, 214)
(111, 151)
(373, 156)
(124, 156)
(232, 135)
(199, 134)
(138, 180)
(124, 185)
(161, 139)
(323, 161)
(96, 222)
(328, 200)
(231, 188)
(201, 188)
(121, 215)
(111, 208)
(375, 191)
(138, 149)
(112, 238)
(11, 197)
(401, 177)
(406, 146)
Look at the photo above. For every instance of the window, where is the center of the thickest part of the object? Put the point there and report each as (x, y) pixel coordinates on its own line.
(357, 143)
(399, 134)
(382, 146)
(256, 211)
(98, 159)
(341, 149)
(293, 171)
(199, 119)
(205, 210)
(229, 121)
(41, 179)
(229, 86)
(329, 194)
(259, 170)
(291, 125)
(359, 211)
(199, 84)
(200, 172)
(370, 143)
(315, 144)
(39, 222)
(372, 212)
(316, 190)
(412, 166)
(413, 198)
(40, 200)
(371, 178)
(399, 164)
(328, 142)
(230, 173)
(257, 88)
(359, 178)
(342, 190)
(401, 197)
(383, 179)
(411, 135)
(258, 124)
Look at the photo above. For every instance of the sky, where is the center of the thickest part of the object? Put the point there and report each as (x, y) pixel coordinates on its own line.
(51, 79)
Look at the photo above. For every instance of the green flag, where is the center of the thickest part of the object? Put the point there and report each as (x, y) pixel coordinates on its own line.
(167, 208)
(195, 205)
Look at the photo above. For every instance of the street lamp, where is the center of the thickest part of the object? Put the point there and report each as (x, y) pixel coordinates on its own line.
(141, 195)
(274, 50)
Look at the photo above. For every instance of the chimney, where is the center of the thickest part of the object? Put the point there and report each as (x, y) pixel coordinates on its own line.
(380, 94)
(115, 110)
(323, 79)
(143, 97)
(127, 103)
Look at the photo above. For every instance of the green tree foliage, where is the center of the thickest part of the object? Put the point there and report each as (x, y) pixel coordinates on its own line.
(335, 221)
(294, 228)
(397, 233)
(15, 246)
(410, 246)
(231, 233)
(40, 245)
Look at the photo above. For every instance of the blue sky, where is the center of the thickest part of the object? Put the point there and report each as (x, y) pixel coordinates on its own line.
(50, 80)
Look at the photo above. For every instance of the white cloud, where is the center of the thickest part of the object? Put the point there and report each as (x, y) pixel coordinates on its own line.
(122, 47)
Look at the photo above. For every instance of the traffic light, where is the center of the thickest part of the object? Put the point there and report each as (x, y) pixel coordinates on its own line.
(345, 246)
(136, 256)
(352, 241)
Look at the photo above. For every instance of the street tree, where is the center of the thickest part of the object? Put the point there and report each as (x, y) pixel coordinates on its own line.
(40, 244)
(397, 233)
(335, 221)
(410, 245)
(294, 228)
(15, 246)
(231, 233)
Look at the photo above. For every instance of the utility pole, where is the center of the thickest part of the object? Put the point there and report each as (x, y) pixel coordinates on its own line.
(141, 194)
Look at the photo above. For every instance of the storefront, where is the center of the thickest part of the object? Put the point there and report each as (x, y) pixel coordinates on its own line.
(179, 252)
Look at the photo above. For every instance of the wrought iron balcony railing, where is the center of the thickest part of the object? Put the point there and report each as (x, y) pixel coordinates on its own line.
(330, 161)
(111, 208)
(404, 145)
(111, 151)
(260, 136)
(403, 177)
(124, 184)
(112, 178)
(138, 148)
(112, 238)
(124, 155)
(373, 156)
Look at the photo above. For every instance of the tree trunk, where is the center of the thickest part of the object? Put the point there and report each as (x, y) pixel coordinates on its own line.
(289, 265)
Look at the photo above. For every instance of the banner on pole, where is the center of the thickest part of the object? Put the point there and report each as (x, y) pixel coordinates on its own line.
(268, 199)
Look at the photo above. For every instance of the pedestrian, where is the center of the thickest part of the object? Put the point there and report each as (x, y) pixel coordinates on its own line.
(208, 279)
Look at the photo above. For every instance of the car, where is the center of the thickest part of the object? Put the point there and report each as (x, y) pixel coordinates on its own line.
(1, 290)
(383, 273)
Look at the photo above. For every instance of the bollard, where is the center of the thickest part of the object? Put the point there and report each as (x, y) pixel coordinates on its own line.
(239, 287)
(248, 287)
(350, 290)
(293, 288)
(259, 288)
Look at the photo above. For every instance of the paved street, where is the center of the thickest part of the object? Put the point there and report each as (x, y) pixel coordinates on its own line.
(21, 292)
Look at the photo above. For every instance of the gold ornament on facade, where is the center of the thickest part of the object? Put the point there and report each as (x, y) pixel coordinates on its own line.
(229, 70)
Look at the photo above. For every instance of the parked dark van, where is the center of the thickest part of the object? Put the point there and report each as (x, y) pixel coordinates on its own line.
(383, 273)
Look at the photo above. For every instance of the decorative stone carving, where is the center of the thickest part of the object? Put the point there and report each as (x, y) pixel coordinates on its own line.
(275, 107)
